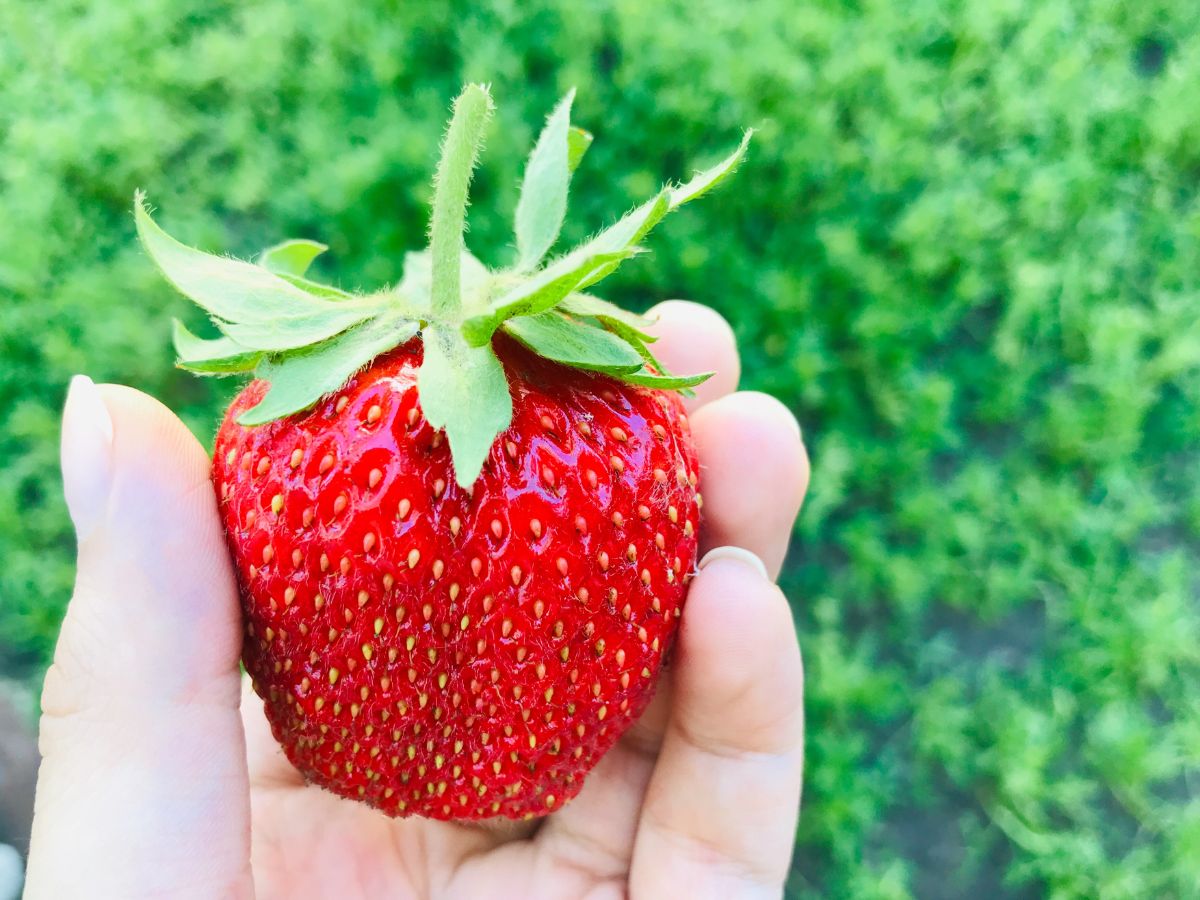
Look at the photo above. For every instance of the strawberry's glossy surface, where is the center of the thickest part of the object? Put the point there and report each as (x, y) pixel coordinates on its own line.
(449, 653)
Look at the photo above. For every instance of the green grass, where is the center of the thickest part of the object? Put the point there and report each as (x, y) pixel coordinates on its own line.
(966, 250)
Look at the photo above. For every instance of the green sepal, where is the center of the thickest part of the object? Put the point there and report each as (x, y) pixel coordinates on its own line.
(294, 332)
(632, 228)
(608, 313)
(552, 285)
(463, 390)
(307, 339)
(228, 289)
(575, 343)
(653, 373)
(624, 234)
(253, 306)
(704, 181)
(542, 204)
(584, 265)
(646, 378)
(299, 380)
(316, 288)
(538, 293)
(291, 257)
(211, 356)
(630, 327)
(578, 142)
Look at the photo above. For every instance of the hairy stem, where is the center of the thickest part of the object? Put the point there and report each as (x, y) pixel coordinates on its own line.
(451, 183)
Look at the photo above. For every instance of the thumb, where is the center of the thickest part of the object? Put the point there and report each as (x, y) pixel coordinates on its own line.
(143, 788)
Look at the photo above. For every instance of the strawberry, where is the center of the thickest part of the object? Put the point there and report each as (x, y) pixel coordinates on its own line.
(462, 511)
(448, 651)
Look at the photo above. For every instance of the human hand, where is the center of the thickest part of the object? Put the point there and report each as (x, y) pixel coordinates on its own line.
(160, 776)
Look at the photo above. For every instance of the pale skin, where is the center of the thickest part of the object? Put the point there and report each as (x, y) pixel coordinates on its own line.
(160, 777)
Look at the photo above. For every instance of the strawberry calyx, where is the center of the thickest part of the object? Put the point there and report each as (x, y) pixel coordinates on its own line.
(306, 339)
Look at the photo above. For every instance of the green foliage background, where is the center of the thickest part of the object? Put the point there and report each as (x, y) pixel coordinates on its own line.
(966, 250)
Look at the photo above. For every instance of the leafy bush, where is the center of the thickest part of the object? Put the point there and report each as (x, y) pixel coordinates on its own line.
(966, 250)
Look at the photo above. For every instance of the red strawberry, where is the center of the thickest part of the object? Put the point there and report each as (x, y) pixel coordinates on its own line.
(459, 653)
(463, 512)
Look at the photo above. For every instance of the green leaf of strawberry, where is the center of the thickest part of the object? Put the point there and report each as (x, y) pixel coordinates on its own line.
(578, 142)
(609, 314)
(228, 289)
(212, 356)
(543, 202)
(574, 343)
(301, 379)
(306, 338)
(464, 391)
(541, 292)
(704, 181)
(291, 257)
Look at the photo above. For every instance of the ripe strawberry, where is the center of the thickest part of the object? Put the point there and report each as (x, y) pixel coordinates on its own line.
(450, 652)
(463, 512)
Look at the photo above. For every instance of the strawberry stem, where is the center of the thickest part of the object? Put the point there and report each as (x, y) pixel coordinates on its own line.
(460, 150)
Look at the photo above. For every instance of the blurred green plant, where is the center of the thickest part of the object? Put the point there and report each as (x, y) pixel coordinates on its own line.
(965, 248)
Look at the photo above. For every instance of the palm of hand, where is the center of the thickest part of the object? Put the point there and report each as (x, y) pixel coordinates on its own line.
(146, 788)
(308, 842)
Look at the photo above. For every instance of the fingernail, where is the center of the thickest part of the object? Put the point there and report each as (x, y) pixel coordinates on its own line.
(87, 437)
(736, 554)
